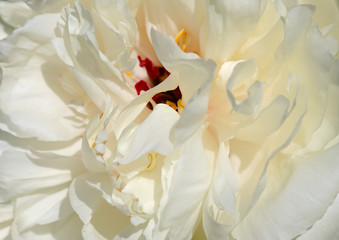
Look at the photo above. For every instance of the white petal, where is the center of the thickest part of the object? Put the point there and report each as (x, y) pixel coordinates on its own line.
(269, 120)
(219, 210)
(88, 196)
(212, 228)
(7, 215)
(151, 135)
(15, 13)
(329, 128)
(313, 62)
(118, 17)
(192, 118)
(96, 125)
(224, 185)
(293, 32)
(42, 208)
(220, 36)
(30, 91)
(60, 230)
(22, 175)
(78, 47)
(134, 108)
(298, 193)
(327, 227)
(251, 174)
(191, 70)
(190, 183)
(46, 5)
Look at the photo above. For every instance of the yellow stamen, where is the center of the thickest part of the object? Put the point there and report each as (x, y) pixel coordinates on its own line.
(152, 162)
(101, 115)
(183, 36)
(128, 73)
(171, 104)
(177, 37)
(196, 53)
(180, 105)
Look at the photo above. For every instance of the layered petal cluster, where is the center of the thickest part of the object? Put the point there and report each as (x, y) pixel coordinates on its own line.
(158, 119)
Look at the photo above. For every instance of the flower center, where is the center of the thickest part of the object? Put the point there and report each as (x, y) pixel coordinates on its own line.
(156, 75)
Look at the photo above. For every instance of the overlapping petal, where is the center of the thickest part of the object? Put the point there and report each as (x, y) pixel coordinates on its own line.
(236, 133)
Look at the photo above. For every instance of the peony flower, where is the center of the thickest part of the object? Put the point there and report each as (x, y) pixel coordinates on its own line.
(169, 120)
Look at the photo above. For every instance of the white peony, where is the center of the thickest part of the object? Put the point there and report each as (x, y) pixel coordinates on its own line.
(157, 119)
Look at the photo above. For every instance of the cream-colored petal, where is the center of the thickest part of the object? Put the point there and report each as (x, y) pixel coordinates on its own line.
(95, 212)
(78, 47)
(7, 216)
(298, 193)
(191, 70)
(151, 135)
(31, 93)
(251, 170)
(135, 107)
(195, 77)
(219, 214)
(96, 128)
(41, 6)
(169, 17)
(189, 184)
(20, 175)
(15, 13)
(70, 226)
(220, 35)
(327, 227)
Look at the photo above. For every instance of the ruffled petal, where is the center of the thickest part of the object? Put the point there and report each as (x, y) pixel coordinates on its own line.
(191, 70)
(142, 142)
(220, 212)
(220, 36)
(190, 181)
(299, 190)
(327, 226)
(35, 173)
(31, 96)
(77, 46)
(86, 197)
(15, 13)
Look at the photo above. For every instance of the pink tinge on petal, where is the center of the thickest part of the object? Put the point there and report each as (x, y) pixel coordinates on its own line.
(141, 86)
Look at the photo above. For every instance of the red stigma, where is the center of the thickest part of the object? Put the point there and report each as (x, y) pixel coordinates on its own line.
(141, 86)
(156, 75)
(152, 71)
